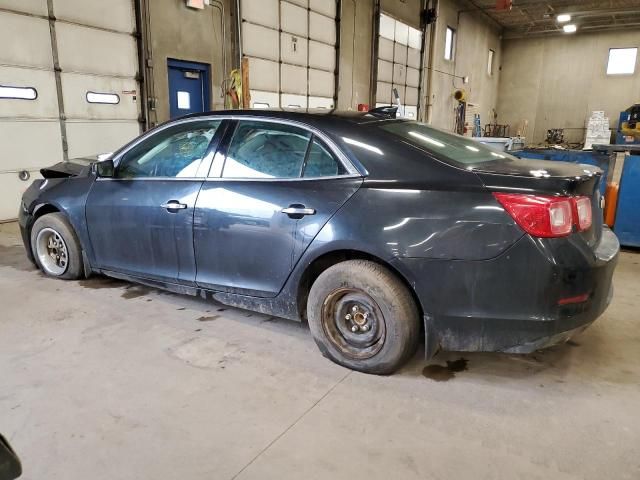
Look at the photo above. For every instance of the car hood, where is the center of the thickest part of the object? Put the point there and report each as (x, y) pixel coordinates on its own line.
(72, 168)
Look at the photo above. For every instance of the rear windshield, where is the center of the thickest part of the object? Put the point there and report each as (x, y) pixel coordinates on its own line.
(447, 146)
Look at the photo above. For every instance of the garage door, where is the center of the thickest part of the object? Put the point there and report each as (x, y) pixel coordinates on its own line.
(291, 46)
(399, 48)
(89, 106)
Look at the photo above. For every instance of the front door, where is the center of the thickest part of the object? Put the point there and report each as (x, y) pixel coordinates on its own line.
(140, 221)
(278, 186)
(188, 87)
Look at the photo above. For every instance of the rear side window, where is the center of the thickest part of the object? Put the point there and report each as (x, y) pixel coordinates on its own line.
(266, 150)
(446, 146)
(321, 163)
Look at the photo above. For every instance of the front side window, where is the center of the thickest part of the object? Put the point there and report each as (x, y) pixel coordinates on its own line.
(173, 152)
(266, 150)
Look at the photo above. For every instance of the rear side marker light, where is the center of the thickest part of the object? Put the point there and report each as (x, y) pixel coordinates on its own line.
(576, 299)
(538, 215)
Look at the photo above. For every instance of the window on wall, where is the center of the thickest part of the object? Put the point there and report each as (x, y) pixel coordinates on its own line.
(449, 43)
(19, 93)
(109, 98)
(490, 62)
(622, 61)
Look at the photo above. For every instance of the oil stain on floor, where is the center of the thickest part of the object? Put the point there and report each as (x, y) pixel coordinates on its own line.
(135, 292)
(441, 373)
(97, 283)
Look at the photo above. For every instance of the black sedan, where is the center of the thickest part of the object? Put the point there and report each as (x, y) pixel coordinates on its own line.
(378, 231)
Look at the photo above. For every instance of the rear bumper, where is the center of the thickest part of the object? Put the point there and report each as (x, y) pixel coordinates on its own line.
(511, 303)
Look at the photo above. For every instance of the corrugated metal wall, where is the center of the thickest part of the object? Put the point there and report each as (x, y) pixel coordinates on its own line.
(89, 48)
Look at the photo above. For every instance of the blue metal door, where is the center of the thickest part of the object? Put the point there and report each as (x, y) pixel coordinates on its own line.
(188, 87)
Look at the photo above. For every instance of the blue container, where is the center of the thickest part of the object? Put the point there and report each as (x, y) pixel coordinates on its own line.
(590, 157)
(627, 224)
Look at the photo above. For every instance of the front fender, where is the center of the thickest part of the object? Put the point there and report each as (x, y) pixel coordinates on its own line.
(66, 195)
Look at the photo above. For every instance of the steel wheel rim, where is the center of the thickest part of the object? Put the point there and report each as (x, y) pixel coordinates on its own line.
(354, 323)
(52, 252)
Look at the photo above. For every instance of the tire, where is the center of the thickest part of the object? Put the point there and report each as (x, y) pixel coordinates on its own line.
(52, 236)
(363, 317)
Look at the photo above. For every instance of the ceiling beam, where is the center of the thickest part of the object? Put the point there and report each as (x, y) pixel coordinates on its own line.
(513, 35)
(510, 23)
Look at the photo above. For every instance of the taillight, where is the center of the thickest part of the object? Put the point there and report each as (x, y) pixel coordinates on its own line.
(583, 213)
(540, 216)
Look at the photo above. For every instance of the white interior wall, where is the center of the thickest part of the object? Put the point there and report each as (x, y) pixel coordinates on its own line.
(475, 36)
(556, 82)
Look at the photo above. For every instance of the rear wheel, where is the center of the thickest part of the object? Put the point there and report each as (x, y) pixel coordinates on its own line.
(55, 247)
(363, 317)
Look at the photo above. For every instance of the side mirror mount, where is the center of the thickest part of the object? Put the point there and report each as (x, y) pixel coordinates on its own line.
(10, 466)
(105, 168)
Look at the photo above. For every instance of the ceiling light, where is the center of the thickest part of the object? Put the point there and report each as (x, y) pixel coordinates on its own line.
(570, 28)
(563, 18)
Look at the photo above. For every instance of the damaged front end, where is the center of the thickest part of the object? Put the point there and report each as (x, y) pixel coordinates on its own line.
(76, 167)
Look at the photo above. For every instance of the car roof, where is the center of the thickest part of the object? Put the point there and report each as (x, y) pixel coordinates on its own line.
(309, 115)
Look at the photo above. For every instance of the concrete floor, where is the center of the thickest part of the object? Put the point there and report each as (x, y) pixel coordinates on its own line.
(100, 379)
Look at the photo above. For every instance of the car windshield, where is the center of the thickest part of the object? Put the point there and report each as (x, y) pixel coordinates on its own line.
(446, 146)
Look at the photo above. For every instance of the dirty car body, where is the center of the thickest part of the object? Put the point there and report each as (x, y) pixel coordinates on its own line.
(423, 203)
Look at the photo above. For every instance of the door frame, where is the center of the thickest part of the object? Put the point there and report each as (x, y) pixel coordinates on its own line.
(178, 284)
(205, 72)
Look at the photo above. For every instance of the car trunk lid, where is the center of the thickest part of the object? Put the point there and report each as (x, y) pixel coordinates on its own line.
(543, 177)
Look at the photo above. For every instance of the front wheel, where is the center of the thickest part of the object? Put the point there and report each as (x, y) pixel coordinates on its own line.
(55, 247)
(363, 317)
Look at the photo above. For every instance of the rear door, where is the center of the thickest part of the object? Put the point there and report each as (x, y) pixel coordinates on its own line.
(269, 196)
(141, 221)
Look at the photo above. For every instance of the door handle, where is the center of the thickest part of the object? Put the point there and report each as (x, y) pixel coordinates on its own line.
(174, 205)
(298, 211)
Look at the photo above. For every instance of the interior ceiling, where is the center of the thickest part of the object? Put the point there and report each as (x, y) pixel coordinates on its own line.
(537, 17)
